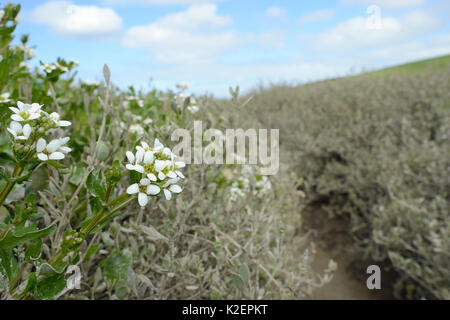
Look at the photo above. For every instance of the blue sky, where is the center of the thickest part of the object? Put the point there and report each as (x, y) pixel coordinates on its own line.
(212, 44)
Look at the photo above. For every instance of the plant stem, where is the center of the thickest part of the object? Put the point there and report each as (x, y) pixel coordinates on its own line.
(18, 169)
(108, 192)
(97, 220)
(123, 205)
(18, 276)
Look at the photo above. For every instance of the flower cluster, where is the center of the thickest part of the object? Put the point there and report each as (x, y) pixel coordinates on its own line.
(249, 182)
(49, 68)
(30, 127)
(159, 171)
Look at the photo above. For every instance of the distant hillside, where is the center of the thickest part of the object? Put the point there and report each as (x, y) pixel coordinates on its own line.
(440, 62)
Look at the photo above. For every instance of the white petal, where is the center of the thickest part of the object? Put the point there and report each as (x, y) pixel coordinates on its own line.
(64, 140)
(148, 157)
(144, 145)
(171, 174)
(16, 117)
(40, 145)
(130, 167)
(64, 123)
(34, 116)
(167, 151)
(152, 177)
(139, 168)
(180, 174)
(139, 156)
(20, 105)
(133, 189)
(175, 188)
(159, 165)
(171, 181)
(14, 109)
(65, 149)
(12, 132)
(16, 126)
(168, 194)
(130, 157)
(53, 145)
(56, 156)
(158, 145)
(26, 130)
(145, 182)
(142, 199)
(54, 116)
(161, 176)
(180, 164)
(153, 190)
(42, 156)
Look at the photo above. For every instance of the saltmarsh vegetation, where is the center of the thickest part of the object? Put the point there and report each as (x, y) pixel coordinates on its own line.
(374, 149)
(90, 209)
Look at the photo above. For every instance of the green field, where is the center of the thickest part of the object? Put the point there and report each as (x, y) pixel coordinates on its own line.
(422, 65)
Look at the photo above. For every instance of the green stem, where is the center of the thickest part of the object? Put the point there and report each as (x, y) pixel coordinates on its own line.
(97, 220)
(108, 192)
(123, 205)
(18, 169)
(18, 276)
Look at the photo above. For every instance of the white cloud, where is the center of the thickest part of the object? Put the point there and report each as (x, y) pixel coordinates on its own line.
(188, 35)
(272, 38)
(386, 4)
(276, 12)
(316, 16)
(355, 33)
(66, 18)
(157, 2)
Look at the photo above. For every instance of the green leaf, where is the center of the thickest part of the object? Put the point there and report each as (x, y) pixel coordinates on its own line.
(115, 268)
(50, 287)
(96, 185)
(8, 263)
(34, 249)
(31, 287)
(244, 274)
(91, 251)
(12, 239)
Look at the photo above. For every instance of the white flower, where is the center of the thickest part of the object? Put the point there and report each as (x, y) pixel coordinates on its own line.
(19, 132)
(135, 161)
(2, 13)
(1, 58)
(23, 64)
(60, 67)
(26, 112)
(148, 121)
(137, 129)
(4, 97)
(170, 187)
(140, 103)
(176, 166)
(91, 83)
(74, 62)
(55, 117)
(54, 150)
(48, 68)
(143, 189)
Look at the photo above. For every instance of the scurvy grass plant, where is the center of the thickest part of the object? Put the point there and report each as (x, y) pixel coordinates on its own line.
(91, 210)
